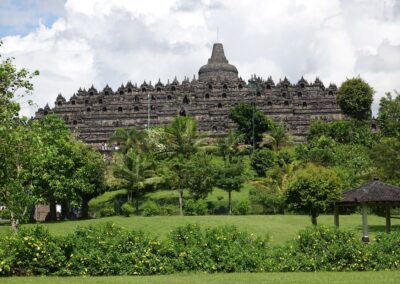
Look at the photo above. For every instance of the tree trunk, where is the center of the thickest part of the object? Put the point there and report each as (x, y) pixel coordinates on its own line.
(137, 206)
(64, 210)
(53, 211)
(85, 207)
(14, 223)
(230, 202)
(181, 202)
(314, 218)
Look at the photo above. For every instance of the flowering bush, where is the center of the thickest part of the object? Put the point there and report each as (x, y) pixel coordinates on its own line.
(385, 251)
(320, 248)
(220, 249)
(30, 252)
(111, 250)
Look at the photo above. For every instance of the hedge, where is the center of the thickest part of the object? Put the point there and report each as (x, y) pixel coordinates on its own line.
(111, 250)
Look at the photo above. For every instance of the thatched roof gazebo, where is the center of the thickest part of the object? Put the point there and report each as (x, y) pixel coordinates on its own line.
(375, 193)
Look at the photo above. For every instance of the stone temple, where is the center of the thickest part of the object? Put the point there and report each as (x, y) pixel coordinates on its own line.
(94, 115)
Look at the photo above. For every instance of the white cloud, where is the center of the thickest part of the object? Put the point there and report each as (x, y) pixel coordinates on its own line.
(99, 42)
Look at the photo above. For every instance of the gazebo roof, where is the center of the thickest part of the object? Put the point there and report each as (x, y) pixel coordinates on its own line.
(373, 192)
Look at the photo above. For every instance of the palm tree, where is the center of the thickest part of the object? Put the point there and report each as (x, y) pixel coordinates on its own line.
(137, 173)
(229, 146)
(182, 141)
(182, 137)
(276, 136)
(128, 139)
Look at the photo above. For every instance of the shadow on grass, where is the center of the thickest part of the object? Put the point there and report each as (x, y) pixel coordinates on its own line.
(380, 228)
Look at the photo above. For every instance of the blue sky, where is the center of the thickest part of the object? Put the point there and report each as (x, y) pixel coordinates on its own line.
(77, 43)
(23, 16)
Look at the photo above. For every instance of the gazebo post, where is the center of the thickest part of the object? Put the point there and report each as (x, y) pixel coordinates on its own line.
(365, 237)
(388, 221)
(336, 218)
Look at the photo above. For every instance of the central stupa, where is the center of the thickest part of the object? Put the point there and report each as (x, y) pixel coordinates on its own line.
(218, 66)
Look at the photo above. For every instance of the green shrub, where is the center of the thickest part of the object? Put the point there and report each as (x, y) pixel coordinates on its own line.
(195, 207)
(319, 248)
(220, 249)
(31, 252)
(106, 200)
(110, 250)
(265, 200)
(107, 249)
(241, 208)
(262, 160)
(150, 208)
(385, 251)
(127, 209)
(169, 210)
(107, 211)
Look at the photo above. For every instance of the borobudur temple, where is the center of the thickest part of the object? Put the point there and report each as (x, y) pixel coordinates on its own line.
(94, 115)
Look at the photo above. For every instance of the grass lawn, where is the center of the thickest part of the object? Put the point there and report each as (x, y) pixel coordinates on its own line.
(386, 277)
(279, 227)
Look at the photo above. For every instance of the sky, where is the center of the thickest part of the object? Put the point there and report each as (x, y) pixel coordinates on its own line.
(77, 43)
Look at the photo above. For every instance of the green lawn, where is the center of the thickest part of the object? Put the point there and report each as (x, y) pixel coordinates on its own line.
(386, 277)
(279, 227)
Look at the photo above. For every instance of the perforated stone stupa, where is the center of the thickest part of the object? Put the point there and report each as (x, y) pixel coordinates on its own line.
(94, 115)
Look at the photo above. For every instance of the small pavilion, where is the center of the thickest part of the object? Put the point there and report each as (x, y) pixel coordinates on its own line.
(375, 193)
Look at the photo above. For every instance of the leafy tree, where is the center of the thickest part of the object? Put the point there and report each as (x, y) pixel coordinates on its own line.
(389, 115)
(19, 152)
(322, 151)
(88, 177)
(386, 157)
(19, 146)
(54, 171)
(313, 190)
(355, 97)
(138, 174)
(242, 115)
(343, 131)
(230, 177)
(68, 173)
(200, 171)
(177, 176)
(262, 160)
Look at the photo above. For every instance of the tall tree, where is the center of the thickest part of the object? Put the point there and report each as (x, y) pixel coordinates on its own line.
(18, 144)
(88, 176)
(389, 115)
(20, 150)
(249, 118)
(137, 173)
(229, 177)
(54, 172)
(69, 172)
(355, 97)
(312, 190)
(182, 141)
(200, 171)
